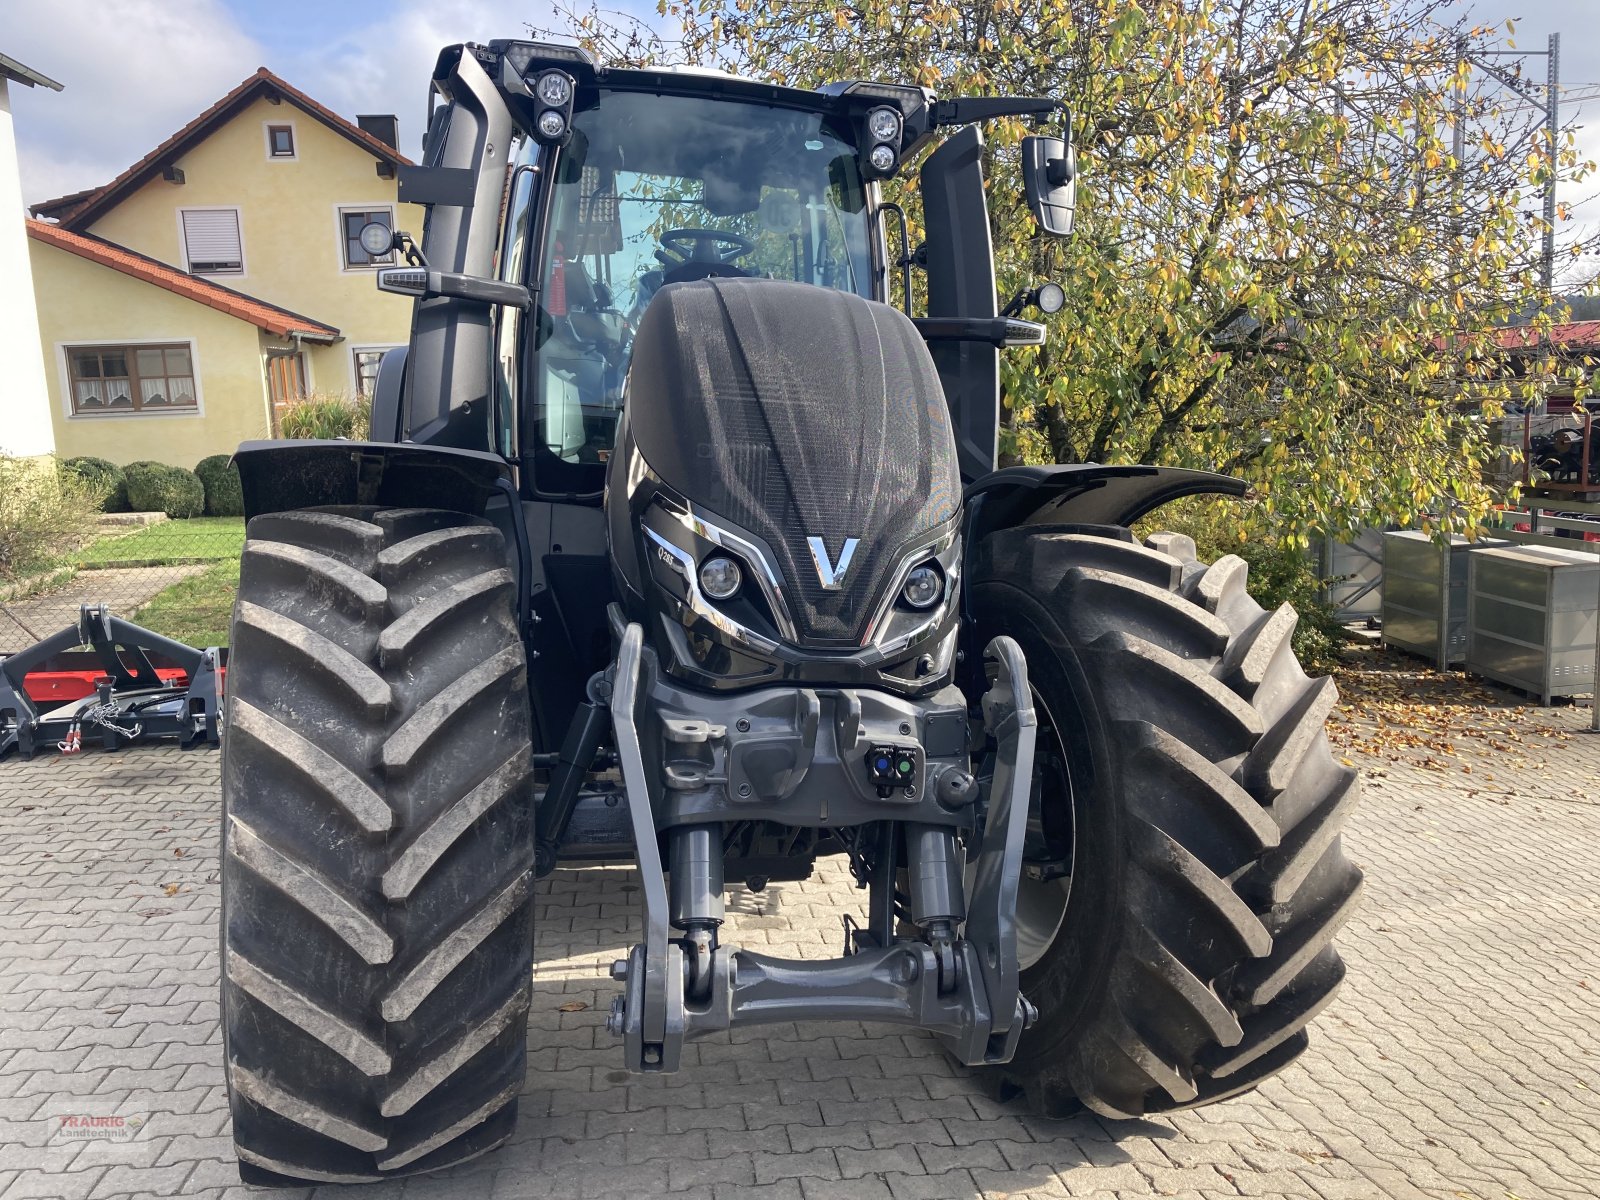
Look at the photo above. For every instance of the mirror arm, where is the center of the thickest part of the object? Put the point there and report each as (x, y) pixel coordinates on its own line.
(425, 284)
(407, 245)
(995, 331)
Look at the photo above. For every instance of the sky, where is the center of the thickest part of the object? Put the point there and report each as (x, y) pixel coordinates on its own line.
(137, 70)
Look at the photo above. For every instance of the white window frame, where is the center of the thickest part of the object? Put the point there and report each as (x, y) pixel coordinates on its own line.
(294, 140)
(338, 228)
(355, 377)
(183, 241)
(64, 369)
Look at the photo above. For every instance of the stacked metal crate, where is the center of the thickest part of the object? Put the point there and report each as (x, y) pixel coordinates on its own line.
(1425, 593)
(1533, 618)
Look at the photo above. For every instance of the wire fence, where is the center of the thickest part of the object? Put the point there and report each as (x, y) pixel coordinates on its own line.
(176, 577)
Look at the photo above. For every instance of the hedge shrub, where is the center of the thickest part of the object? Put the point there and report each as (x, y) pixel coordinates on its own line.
(105, 479)
(154, 486)
(220, 478)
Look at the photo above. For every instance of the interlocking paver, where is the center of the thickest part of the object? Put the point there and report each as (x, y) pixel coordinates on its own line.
(1462, 1058)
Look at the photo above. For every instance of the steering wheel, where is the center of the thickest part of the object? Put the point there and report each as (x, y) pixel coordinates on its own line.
(685, 245)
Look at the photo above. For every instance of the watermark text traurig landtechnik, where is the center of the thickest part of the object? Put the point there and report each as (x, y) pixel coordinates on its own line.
(95, 1127)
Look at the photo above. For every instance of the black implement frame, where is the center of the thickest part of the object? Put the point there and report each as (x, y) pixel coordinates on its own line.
(131, 703)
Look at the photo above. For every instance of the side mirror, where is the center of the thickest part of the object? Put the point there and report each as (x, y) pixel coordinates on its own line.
(1050, 182)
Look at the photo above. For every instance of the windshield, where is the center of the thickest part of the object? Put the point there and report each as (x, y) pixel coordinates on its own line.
(654, 190)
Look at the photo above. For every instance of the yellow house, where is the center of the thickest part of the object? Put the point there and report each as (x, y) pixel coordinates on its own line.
(230, 250)
(167, 366)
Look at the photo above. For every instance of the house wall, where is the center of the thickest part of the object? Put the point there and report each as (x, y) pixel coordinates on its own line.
(289, 222)
(25, 425)
(84, 303)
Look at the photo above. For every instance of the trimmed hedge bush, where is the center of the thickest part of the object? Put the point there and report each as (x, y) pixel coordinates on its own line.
(104, 478)
(220, 478)
(154, 486)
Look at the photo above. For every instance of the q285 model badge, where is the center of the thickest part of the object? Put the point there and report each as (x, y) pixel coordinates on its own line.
(832, 576)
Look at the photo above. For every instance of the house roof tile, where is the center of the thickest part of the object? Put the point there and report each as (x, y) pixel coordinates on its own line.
(1573, 334)
(278, 321)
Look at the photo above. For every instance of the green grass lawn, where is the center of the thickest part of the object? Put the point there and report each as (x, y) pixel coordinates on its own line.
(198, 540)
(196, 610)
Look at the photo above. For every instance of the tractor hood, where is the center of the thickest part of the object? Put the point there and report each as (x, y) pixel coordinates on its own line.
(811, 421)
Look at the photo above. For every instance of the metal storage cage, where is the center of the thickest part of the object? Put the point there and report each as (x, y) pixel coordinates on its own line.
(1351, 570)
(1533, 615)
(1421, 577)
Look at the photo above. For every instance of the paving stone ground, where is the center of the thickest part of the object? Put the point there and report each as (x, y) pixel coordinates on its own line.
(1462, 1059)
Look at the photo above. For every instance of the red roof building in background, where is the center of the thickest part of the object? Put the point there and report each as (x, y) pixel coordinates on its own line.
(269, 317)
(1571, 336)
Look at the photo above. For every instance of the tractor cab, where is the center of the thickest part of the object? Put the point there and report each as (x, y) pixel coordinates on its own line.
(625, 181)
(651, 190)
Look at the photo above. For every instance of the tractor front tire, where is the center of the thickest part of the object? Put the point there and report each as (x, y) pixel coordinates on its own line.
(377, 846)
(1184, 876)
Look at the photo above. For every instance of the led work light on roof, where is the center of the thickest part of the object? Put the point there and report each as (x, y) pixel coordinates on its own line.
(884, 125)
(554, 89)
(880, 133)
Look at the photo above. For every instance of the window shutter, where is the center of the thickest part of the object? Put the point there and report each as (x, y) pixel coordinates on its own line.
(211, 238)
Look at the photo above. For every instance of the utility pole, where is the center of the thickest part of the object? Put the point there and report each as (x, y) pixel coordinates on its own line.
(1552, 128)
(1552, 125)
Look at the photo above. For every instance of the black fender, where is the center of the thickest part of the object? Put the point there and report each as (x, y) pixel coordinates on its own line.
(1082, 494)
(282, 475)
(388, 397)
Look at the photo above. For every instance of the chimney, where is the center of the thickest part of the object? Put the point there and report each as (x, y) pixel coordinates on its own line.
(385, 128)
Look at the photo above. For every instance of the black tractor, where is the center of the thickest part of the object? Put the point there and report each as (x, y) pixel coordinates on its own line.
(677, 544)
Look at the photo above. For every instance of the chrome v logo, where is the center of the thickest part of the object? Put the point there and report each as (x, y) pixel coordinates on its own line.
(832, 576)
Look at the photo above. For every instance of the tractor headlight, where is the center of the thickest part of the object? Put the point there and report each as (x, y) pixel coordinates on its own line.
(884, 125)
(720, 577)
(551, 123)
(554, 88)
(924, 586)
(881, 158)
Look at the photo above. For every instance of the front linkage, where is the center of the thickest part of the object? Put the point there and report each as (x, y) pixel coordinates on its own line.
(962, 989)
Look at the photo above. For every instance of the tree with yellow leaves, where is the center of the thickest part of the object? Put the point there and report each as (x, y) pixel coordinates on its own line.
(1281, 268)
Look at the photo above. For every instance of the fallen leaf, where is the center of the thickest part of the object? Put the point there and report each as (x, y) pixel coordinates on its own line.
(172, 889)
(573, 1006)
